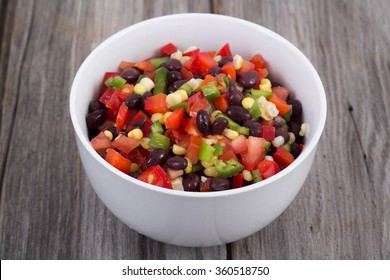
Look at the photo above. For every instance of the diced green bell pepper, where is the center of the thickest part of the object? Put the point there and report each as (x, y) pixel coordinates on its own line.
(187, 88)
(160, 80)
(258, 93)
(210, 91)
(116, 82)
(267, 144)
(228, 168)
(218, 150)
(179, 105)
(197, 167)
(158, 61)
(233, 125)
(159, 141)
(206, 152)
(256, 176)
(287, 116)
(156, 127)
(255, 110)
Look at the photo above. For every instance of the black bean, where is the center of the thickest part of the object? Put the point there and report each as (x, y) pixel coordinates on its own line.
(249, 79)
(224, 60)
(176, 85)
(284, 134)
(295, 127)
(95, 105)
(157, 157)
(279, 122)
(219, 184)
(174, 76)
(131, 75)
(254, 127)
(296, 107)
(295, 150)
(139, 123)
(96, 118)
(133, 101)
(275, 84)
(271, 150)
(232, 86)
(215, 70)
(219, 125)
(144, 97)
(177, 163)
(173, 64)
(203, 122)
(191, 183)
(238, 114)
(235, 97)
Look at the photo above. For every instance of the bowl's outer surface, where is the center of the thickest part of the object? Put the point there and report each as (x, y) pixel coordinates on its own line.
(198, 219)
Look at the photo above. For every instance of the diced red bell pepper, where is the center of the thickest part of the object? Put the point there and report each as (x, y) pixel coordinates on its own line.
(268, 132)
(136, 156)
(255, 153)
(263, 72)
(268, 168)
(118, 161)
(192, 53)
(114, 103)
(125, 144)
(238, 181)
(280, 104)
(283, 157)
(168, 49)
(194, 148)
(203, 62)
(228, 70)
(101, 143)
(178, 136)
(123, 115)
(225, 50)
(155, 175)
(123, 65)
(190, 66)
(221, 103)
(207, 80)
(246, 67)
(156, 104)
(176, 119)
(280, 92)
(258, 61)
(191, 127)
(145, 66)
(106, 96)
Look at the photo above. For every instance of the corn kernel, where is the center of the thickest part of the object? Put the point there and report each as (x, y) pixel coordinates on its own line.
(183, 94)
(145, 143)
(247, 175)
(173, 99)
(270, 158)
(109, 134)
(247, 102)
(166, 115)
(278, 141)
(211, 171)
(157, 117)
(177, 184)
(231, 134)
(147, 82)
(140, 89)
(135, 133)
(150, 178)
(177, 150)
(177, 55)
(304, 130)
(217, 58)
(134, 167)
(188, 169)
(193, 83)
(265, 84)
(292, 137)
(237, 61)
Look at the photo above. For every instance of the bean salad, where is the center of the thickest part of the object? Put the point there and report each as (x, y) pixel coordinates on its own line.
(196, 120)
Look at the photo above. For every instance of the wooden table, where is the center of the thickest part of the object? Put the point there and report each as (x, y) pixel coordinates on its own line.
(48, 208)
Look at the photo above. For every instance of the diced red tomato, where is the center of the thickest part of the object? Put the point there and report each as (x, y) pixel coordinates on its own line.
(155, 175)
(283, 157)
(125, 144)
(114, 103)
(280, 92)
(136, 156)
(263, 72)
(168, 49)
(280, 104)
(239, 145)
(192, 53)
(118, 161)
(173, 174)
(156, 104)
(179, 137)
(221, 103)
(228, 70)
(208, 80)
(123, 65)
(176, 119)
(228, 153)
(194, 148)
(123, 115)
(268, 168)
(101, 143)
(268, 132)
(225, 50)
(190, 66)
(191, 127)
(186, 74)
(246, 67)
(258, 61)
(255, 153)
(135, 116)
(106, 96)
(238, 181)
(197, 102)
(203, 62)
(145, 66)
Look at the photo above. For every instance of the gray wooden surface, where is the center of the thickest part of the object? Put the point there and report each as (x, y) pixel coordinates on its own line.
(48, 209)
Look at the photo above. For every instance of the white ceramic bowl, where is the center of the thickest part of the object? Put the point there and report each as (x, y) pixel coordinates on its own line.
(186, 218)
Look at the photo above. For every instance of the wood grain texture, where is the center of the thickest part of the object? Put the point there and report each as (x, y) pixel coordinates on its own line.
(48, 209)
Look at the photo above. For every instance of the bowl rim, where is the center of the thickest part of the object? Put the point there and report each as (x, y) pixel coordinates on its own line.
(203, 16)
